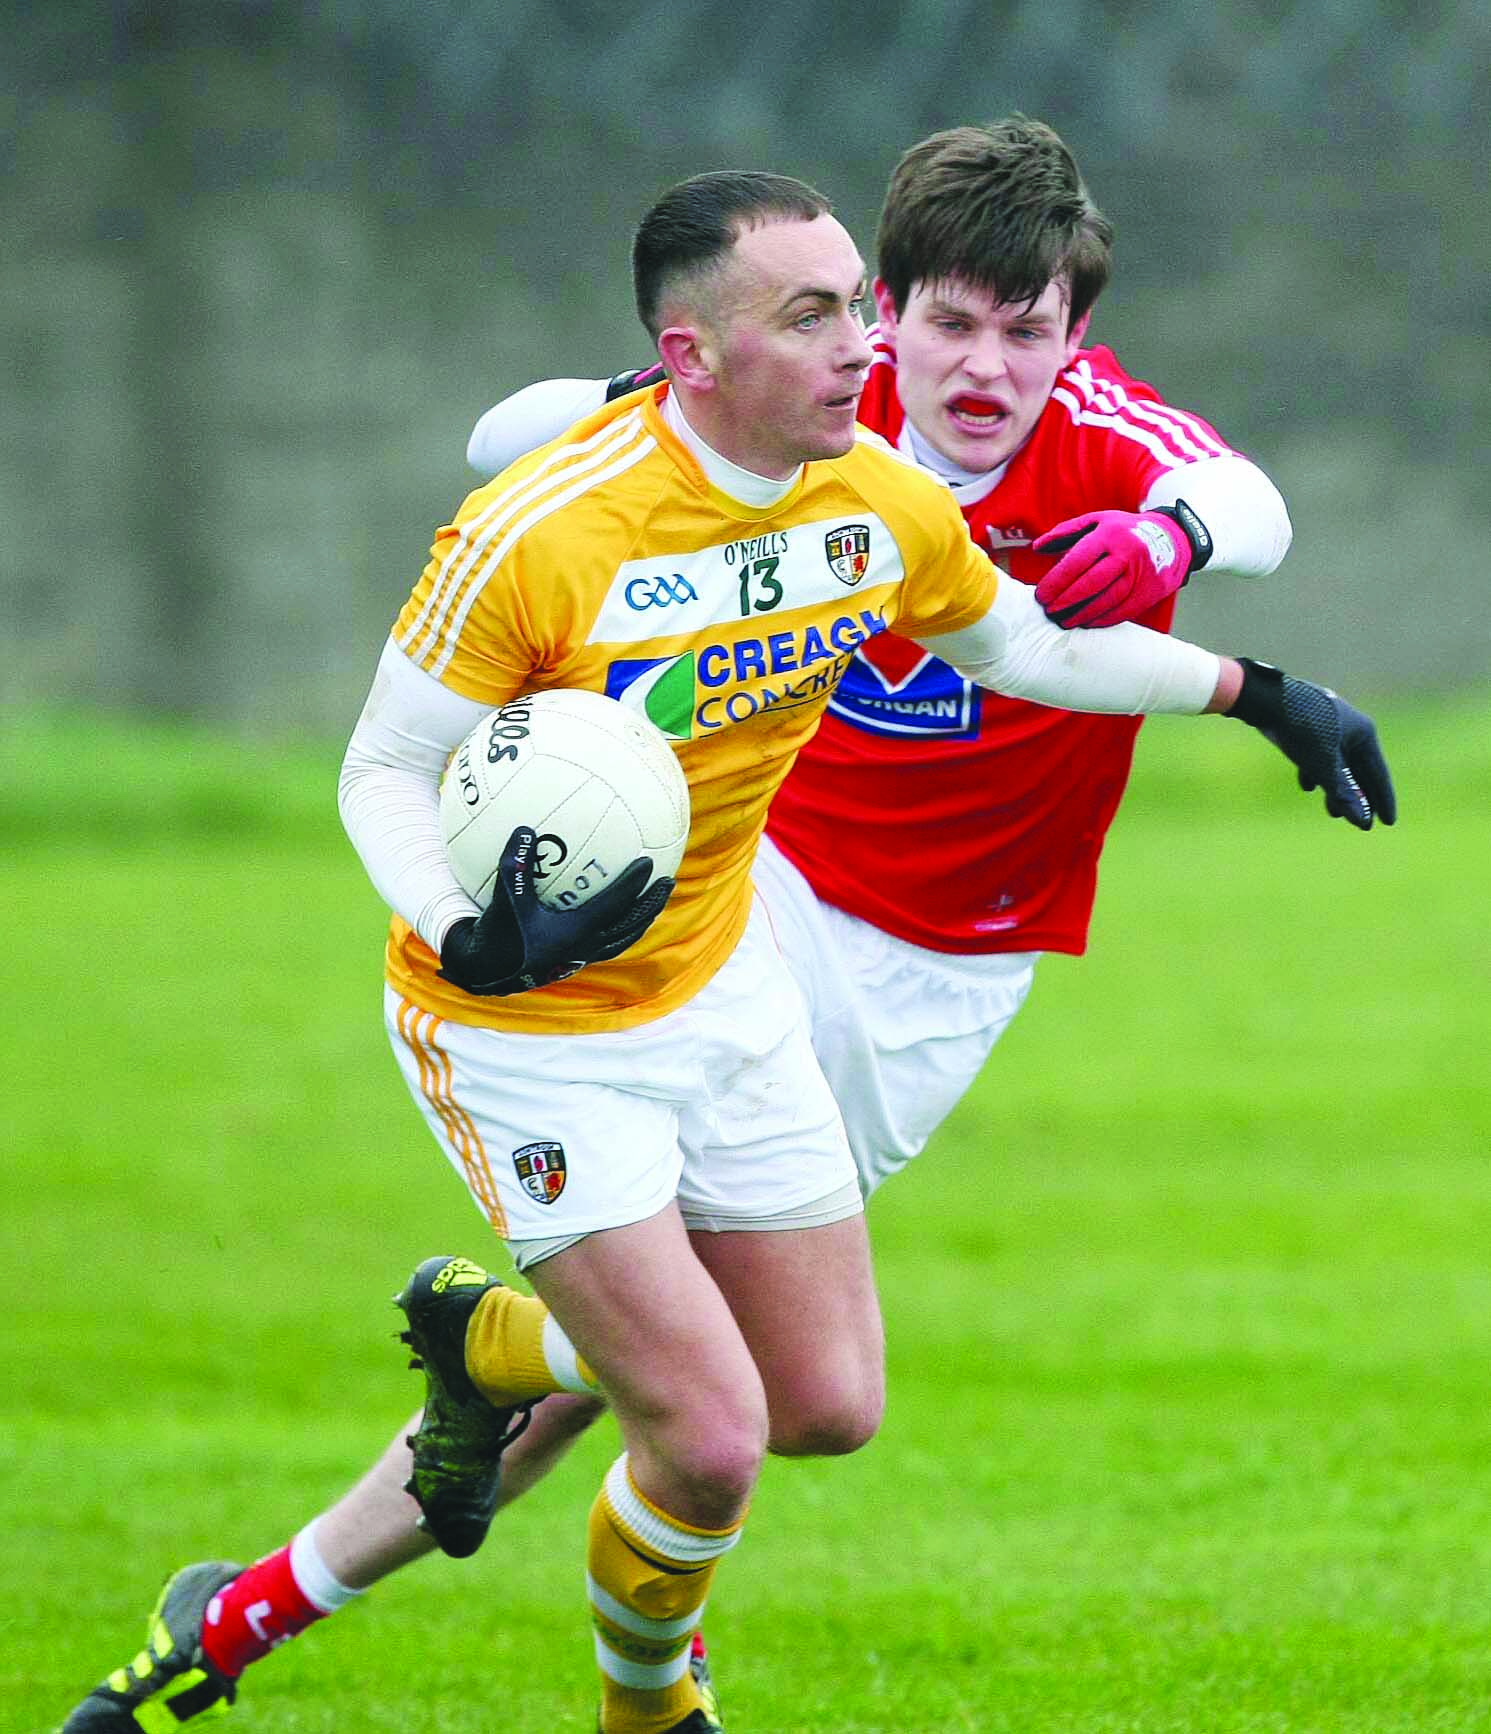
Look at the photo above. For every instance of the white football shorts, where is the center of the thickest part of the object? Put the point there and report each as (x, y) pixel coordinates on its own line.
(720, 1104)
(900, 1032)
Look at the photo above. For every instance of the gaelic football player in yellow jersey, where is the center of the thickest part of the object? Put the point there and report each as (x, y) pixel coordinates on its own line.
(704, 1263)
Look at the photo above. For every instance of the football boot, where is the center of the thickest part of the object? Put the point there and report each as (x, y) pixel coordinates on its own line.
(460, 1439)
(170, 1682)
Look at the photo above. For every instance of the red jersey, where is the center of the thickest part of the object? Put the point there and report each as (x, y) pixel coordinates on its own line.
(976, 821)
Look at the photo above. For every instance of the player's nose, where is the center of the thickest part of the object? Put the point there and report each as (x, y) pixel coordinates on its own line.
(984, 361)
(857, 352)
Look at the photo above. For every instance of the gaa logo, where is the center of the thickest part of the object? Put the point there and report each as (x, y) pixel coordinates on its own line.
(848, 551)
(661, 592)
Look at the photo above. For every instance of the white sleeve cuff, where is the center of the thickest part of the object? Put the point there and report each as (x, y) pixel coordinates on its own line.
(1243, 511)
(1125, 670)
(389, 792)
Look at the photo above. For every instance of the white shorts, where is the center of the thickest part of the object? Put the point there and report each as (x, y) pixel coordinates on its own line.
(900, 1032)
(720, 1104)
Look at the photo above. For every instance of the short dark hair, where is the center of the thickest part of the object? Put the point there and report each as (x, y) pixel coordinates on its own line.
(696, 223)
(1002, 207)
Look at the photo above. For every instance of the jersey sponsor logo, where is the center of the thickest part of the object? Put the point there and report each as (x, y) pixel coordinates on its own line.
(775, 572)
(729, 681)
(541, 1170)
(928, 699)
(662, 591)
(848, 551)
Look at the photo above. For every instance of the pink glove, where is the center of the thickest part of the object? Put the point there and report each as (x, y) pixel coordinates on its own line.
(1114, 566)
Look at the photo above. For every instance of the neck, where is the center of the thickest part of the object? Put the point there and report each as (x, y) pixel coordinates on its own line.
(747, 486)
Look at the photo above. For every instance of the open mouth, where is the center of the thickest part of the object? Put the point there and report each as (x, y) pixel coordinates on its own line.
(976, 413)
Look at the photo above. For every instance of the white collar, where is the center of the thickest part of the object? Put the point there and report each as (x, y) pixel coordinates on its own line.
(742, 485)
(967, 486)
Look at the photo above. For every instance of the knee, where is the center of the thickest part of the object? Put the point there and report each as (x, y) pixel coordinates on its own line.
(713, 1457)
(829, 1422)
(717, 1464)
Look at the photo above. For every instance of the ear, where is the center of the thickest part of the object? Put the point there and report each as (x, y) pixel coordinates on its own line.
(1075, 336)
(885, 308)
(688, 356)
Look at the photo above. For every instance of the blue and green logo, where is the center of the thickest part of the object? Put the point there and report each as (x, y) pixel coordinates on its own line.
(661, 688)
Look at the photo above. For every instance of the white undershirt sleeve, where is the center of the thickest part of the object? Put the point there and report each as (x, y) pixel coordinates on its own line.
(532, 417)
(1243, 511)
(1127, 670)
(389, 792)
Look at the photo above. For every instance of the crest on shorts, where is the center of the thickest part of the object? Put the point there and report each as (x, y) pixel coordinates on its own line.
(848, 551)
(541, 1170)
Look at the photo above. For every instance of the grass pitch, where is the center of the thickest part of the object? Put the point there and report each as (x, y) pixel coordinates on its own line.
(1189, 1304)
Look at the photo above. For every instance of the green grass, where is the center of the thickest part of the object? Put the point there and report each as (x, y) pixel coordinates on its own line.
(1189, 1305)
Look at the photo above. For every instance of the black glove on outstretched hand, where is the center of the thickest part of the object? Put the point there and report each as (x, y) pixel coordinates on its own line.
(516, 943)
(1333, 744)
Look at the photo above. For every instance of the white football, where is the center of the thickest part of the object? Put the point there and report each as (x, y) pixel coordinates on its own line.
(597, 782)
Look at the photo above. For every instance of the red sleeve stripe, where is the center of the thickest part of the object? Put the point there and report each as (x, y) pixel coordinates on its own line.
(1171, 435)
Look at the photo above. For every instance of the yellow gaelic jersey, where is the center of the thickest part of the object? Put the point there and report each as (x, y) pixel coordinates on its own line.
(606, 560)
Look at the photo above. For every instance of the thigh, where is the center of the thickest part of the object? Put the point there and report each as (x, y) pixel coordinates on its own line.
(806, 1305)
(674, 1364)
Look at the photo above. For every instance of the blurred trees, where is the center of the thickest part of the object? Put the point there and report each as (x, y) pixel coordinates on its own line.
(265, 262)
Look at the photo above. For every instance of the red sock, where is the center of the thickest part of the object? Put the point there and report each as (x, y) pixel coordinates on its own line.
(259, 1610)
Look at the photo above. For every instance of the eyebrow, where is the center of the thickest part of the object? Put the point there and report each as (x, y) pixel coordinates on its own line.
(940, 304)
(832, 296)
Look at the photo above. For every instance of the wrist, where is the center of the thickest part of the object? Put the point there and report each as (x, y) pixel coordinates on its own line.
(1230, 680)
(1259, 700)
(1193, 531)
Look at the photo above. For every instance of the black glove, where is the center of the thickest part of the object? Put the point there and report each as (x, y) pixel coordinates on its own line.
(516, 943)
(1334, 745)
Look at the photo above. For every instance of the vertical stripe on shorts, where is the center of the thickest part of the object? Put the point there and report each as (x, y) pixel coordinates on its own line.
(418, 1029)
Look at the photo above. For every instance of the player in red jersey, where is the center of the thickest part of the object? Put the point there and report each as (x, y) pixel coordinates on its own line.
(1074, 477)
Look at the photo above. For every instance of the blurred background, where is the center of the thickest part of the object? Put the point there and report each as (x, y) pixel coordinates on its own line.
(265, 262)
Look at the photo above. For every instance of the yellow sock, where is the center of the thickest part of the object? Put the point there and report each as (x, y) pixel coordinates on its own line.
(649, 1579)
(515, 1350)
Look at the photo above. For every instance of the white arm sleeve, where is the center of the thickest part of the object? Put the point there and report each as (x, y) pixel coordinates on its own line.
(1241, 508)
(532, 417)
(389, 792)
(1128, 670)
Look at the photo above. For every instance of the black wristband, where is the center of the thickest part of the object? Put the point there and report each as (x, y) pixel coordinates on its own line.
(1194, 531)
(1260, 699)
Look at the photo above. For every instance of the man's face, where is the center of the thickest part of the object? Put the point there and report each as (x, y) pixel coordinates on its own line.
(785, 346)
(974, 373)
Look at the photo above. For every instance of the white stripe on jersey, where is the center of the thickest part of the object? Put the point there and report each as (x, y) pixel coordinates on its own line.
(1093, 400)
(563, 498)
(562, 477)
(439, 593)
(1109, 395)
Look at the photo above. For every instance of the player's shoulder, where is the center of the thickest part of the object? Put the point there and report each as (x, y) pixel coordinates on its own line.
(1096, 379)
(1096, 402)
(598, 461)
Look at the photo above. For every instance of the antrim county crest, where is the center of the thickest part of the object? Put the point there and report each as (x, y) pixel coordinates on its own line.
(848, 550)
(541, 1170)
